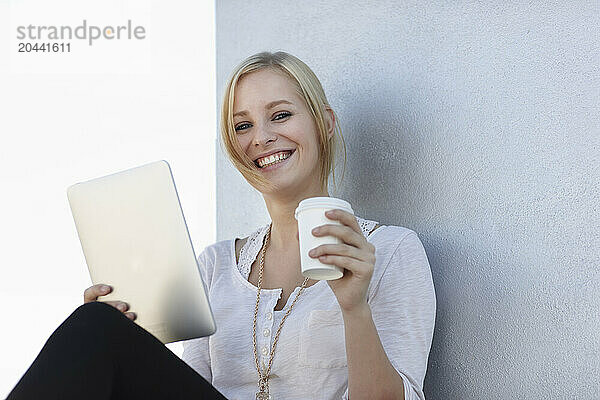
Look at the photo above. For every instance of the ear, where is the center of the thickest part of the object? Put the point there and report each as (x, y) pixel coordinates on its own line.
(329, 121)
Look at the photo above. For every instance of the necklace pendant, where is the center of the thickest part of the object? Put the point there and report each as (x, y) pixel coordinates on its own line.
(262, 395)
(263, 389)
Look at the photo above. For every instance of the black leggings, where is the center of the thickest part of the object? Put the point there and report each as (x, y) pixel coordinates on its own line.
(99, 353)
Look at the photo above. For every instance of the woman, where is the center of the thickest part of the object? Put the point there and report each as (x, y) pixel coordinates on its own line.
(367, 334)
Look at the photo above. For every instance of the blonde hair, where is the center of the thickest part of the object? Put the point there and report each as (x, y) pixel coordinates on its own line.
(308, 88)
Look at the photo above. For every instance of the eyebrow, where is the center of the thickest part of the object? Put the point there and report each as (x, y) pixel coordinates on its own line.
(270, 105)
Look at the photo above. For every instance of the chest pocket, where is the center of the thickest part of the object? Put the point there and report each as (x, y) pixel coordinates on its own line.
(322, 340)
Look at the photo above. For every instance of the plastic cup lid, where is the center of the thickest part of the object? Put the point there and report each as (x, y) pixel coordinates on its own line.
(320, 202)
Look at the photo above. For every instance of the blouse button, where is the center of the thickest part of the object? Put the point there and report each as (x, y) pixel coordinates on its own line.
(266, 332)
(269, 315)
(265, 351)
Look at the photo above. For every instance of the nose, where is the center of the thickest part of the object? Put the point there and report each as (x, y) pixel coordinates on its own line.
(263, 136)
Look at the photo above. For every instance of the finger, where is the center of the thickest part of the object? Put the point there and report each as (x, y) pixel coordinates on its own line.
(131, 315)
(119, 305)
(345, 218)
(338, 249)
(343, 232)
(92, 293)
(359, 268)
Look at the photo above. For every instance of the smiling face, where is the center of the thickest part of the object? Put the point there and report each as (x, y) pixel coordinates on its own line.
(270, 116)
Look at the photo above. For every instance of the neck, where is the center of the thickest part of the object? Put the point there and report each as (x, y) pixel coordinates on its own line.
(284, 226)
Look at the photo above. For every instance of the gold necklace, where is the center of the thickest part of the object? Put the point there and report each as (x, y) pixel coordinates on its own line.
(263, 379)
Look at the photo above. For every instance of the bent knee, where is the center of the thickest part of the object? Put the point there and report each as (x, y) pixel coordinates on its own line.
(97, 311)
(94, 321)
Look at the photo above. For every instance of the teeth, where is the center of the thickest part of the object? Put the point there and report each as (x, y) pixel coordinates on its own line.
(265, 162)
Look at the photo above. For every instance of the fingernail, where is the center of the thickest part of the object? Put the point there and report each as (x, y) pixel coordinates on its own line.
(316, 230)
(104, 288)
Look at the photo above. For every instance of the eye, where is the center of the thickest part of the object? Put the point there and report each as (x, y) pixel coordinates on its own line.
(241, 126)
(282, 115)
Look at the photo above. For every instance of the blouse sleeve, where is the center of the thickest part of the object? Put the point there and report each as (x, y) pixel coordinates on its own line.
(403, 307)
(196, 351)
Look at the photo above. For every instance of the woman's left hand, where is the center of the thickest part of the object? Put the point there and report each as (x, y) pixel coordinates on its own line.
(355, 255)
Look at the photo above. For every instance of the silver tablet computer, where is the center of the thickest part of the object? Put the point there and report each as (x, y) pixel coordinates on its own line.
(134, 238)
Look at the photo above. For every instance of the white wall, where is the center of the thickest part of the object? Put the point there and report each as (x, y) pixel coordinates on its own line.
(477, 125)
(66, 118)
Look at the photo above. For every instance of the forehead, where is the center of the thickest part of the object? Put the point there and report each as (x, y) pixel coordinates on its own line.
(258, 88)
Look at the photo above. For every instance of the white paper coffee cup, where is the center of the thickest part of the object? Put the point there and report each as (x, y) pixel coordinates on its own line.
(310, 213)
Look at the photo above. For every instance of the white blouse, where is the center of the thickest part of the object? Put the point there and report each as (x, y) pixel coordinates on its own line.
(310, 357)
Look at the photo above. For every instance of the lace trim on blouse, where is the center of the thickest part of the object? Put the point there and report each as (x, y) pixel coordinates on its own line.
(250, 250)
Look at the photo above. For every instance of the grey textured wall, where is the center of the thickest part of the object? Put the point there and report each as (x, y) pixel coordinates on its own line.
(477, 126)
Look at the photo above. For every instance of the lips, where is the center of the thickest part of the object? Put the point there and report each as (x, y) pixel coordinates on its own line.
(274, 152)
(277, 164)
(289, 152)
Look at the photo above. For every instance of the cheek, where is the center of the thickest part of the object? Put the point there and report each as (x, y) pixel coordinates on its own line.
(304, 138)
(244, 146)
(243, 141)
(308, 148)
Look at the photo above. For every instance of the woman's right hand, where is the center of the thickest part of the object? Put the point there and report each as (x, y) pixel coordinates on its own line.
(91, 294)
